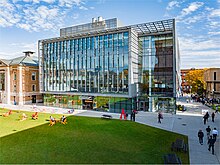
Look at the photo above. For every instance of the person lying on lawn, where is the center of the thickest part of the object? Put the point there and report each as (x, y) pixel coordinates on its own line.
(7, 114)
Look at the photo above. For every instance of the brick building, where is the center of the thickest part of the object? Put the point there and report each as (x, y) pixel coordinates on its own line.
(212, 79)
(185, 85)
(19, 80)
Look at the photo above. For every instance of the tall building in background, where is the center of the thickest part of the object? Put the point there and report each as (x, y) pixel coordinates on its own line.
(105, 66)
(19, 80)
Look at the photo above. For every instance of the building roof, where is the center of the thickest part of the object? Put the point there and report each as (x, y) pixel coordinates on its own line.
(157, 27)
(6, 62)
(24, 60)
(154, 27)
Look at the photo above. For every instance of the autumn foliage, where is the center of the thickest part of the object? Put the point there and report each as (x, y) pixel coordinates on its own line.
(195, 78)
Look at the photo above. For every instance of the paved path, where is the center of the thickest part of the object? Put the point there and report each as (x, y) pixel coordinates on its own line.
(187, 123)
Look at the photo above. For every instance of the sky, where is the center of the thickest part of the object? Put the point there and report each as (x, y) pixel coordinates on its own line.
(24, 22)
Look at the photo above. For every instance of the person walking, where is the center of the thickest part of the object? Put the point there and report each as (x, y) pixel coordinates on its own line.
(208, 131)
(205, 117)
(200, 135)
(160, 116)
(133, 115)
(214, 133)
(213, 116)
(211, 143)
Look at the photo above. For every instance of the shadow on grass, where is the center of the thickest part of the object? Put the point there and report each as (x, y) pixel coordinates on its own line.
(89, 140)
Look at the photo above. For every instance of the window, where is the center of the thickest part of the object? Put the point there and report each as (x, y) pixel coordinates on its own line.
(33, 76)
(214, 75)
(14, 88)
(15, 76)
(33, 87)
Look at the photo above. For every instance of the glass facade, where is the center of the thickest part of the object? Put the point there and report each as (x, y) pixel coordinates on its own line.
(156, 71)
(97, 64)
(123, 68)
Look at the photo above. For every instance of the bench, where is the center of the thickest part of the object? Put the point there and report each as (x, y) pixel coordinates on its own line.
(106, 117)
(172, 159)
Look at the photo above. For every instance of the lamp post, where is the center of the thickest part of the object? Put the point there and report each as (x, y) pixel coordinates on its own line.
(213, 94)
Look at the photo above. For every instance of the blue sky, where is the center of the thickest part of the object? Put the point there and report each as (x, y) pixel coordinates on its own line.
(24, 22)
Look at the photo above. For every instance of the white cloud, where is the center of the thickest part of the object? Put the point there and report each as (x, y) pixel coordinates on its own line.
(33, 15)
(34, 1)
(214, 33)
(190, 9)
(8, 17)
(24, 26)
(69, 3)
(195, 18)
(17, 49)
(215, 13)
(213, 24)
(83, 8)
(172, 4)
(49, 1)
(198, 44)
(199, 51)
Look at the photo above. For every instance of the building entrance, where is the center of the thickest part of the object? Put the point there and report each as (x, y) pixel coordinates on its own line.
(87, 104)
(143, 106)
(33, 98)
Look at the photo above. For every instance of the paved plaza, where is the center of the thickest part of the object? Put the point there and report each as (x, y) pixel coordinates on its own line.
(187, 123)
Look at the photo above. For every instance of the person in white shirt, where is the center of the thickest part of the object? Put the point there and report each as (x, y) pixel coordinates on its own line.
(214, 133)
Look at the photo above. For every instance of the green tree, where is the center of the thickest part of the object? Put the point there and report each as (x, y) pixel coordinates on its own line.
(195, 78)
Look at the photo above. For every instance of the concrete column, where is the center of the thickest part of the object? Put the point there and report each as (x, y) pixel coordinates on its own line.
(8, 86)
(20, 90)
(150, 76)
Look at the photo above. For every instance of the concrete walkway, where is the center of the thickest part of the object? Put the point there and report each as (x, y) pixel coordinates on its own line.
(187, 123)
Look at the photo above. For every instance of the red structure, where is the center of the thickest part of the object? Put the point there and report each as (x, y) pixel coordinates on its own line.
(123, 114)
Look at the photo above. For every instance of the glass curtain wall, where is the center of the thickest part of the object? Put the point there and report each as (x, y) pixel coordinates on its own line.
(92, 64)
(99, 103)
(156, 78)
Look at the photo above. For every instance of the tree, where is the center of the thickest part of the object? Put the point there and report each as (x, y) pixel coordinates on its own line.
(195, 79)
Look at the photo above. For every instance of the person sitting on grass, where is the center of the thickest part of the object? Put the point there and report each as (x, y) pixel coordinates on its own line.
(23, 117)
(63, 118)
(35, 116)
(52, 119)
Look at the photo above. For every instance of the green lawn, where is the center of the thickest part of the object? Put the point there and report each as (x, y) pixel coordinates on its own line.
(83, 140)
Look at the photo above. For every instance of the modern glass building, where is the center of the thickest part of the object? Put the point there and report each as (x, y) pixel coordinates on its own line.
(105, 66)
